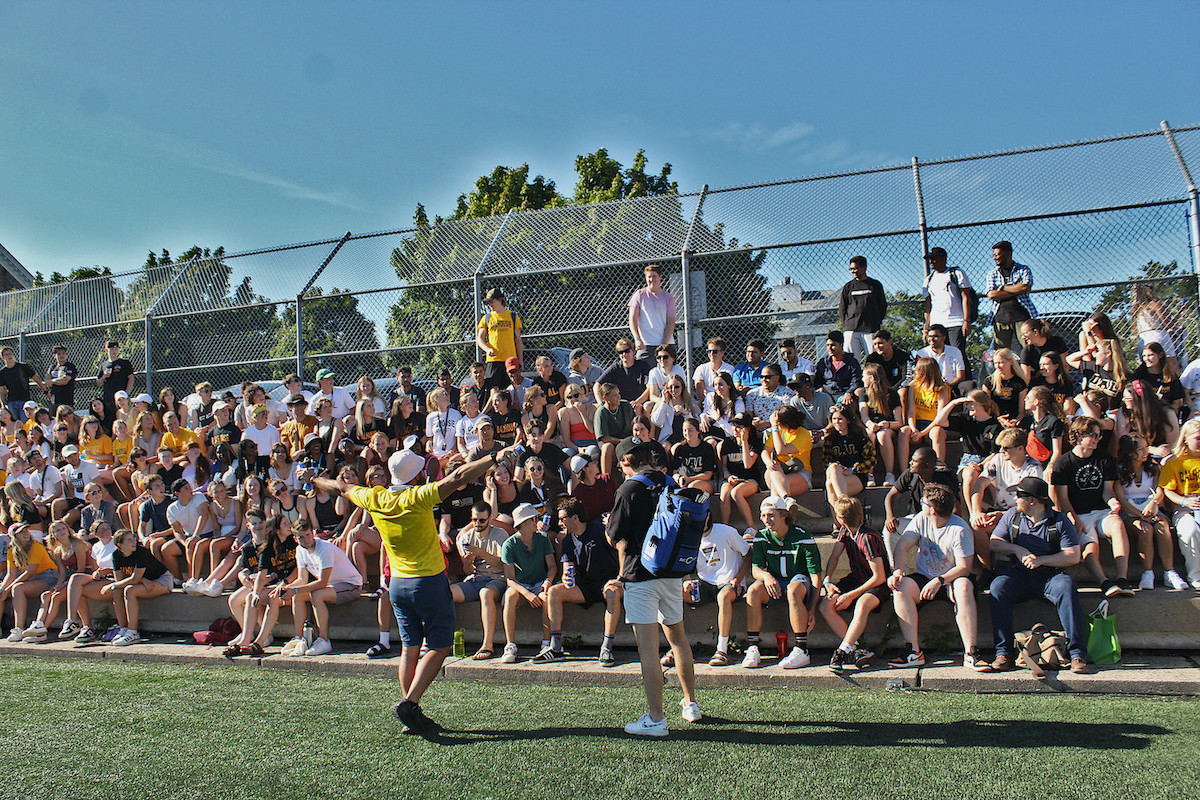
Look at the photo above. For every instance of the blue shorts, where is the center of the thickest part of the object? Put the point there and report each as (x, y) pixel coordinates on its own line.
(48, 577)
(968, 459)
(472, 586)
(424, 610)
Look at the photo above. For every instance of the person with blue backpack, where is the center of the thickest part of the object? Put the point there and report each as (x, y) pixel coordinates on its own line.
(650, 598)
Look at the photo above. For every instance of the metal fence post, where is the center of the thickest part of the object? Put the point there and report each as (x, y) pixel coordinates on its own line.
(477, 284)
(1193, 205)
(302, 292)
(149, 360)
(299, 337)
(21, 346)
(685, 262)
(916, 169)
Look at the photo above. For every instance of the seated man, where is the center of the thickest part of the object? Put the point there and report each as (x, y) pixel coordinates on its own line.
(529, 571)
(944, 561)
(720, 576)
(838, 373)
(1001, 472)
(863, 590)
(903, 500)
(481, 544)
(1041, 543)
(787, 564)
(949, 358)
(324, 576)
(592, 579)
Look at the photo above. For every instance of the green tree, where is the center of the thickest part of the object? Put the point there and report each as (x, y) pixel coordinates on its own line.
(332, 323)
(1169, 287)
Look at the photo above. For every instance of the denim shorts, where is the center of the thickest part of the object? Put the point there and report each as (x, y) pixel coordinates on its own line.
(424, 610)
(48, 577)
(472, 586)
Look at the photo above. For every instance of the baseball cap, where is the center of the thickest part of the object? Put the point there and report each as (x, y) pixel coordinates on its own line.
(579, 463)
(295, 399)
(935, 252)
(121, 394)
(483, 420)
(631, 445)
(578, 352)
(220, 405)
(776, 503)
(70, 450)
(512, 362)
(143, 398)
(325, 373)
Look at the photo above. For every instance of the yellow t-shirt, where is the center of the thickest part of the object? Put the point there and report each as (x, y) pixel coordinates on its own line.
(925, 402)
(178, 442)
(96, 449)
(121, 448)
(1181, 475)
(501, 329)
(39, 558)
(405, 523)
(801, 439)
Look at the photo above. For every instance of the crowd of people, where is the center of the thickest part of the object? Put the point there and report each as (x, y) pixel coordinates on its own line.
(1065, 447)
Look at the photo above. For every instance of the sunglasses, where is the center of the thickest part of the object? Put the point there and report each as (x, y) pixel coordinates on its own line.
(716, 351)
(661, 358)
(623, 352)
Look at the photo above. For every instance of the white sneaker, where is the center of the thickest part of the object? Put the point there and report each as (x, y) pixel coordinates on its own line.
(753, 658)
(1196, 584)
(691, 711)
(35, 631)
(795, 659)
(1147, 581)
(69, 629)
(1174, 580)
(191, 586)
(510, 654)
(644, 726)
(211, 588)
(15, 634)
(126, 639)
(319, 647)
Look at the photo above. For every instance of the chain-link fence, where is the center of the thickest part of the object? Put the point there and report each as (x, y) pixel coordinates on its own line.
(1107, 225)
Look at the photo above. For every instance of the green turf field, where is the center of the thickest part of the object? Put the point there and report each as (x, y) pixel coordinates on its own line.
(83, 729)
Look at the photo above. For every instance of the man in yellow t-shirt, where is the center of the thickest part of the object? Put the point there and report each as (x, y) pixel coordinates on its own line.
(499, 337)
(419, 588)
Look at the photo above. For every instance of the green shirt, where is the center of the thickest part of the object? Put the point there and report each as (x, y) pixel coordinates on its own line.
(796, 554)
(530, 562)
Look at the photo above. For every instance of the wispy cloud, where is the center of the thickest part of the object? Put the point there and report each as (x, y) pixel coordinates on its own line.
(758, 137)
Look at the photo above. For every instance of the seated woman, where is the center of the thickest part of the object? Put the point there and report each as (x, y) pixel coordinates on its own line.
(248, 568)
(744, 467)
(670, 410)
(537, 409)
(1047, 429)
(197, 470)
(283, 468)
(31, 571)
(1156, 371)
(537, 446)
(575, 420)
(927, 395)
(226, 513)
(441, 426)
(138, 576)
(276, 562)
(1054, 374)
(1007, 388)
(505, 419)
(694, 461)
(788, 446)
(720, 407)
(94, 585)
(1143, 413)
(883, 416)
(362, 539)
(500, 493)
(71, 552)
(17, 508)
(467, 437)
(849, 453)
(978, 428)
(1142, 513)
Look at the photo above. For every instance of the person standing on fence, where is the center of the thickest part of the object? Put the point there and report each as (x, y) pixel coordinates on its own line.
(652, 314)
(861, 309)
(499, 337)
(14, 383)
(60, 380)
(1008, 287)
(116, 375)
(947, 299)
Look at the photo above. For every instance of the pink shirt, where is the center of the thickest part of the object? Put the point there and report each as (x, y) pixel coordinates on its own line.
(653, 311)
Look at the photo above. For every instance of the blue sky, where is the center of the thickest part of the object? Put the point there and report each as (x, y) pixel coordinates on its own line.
(137, 126)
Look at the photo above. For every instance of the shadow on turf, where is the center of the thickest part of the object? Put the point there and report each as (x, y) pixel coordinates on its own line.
(1009, 734)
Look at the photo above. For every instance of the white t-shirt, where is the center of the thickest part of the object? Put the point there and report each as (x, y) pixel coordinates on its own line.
(1191, 381)
(187, 515)
(722, 551)
(706, 373)
(949, 362)
(653, 311)
(945, 304)
(41, 484)
(657, 377)
(342, 404)
(1006, 477)
(803, 365)
(467, 432)
(719, 421)
(939, 548)
(266, 438)
(325, 555)
(80, 476)
(290, 478)
(102, 554)
(442, 430)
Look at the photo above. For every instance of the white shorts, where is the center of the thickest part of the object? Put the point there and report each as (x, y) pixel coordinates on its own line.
(658, 600)
(1093, 526)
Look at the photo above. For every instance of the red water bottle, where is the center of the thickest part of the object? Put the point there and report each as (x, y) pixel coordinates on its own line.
(781, 640)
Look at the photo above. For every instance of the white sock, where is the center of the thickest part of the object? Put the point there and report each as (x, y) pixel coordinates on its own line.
(132, 632)
(385, 638)
(545, 643)
(846, 648)
(723, 644)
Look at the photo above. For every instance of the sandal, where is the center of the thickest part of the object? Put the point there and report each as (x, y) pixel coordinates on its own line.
(378, 650)
(482, 655)
(233, 650)
(719, 659)
(255, 649)
(668, 660)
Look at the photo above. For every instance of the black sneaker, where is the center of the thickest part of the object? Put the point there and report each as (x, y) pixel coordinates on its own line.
(1125, 587)
(862, 658)
(548, 656)
(1110, 588)
(838, 661)
(409, 713)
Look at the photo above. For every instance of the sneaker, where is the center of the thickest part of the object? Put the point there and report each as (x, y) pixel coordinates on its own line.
(862, 658)
(113, 632)
(1004, 663)
(510, 654)
(1080, 666)
(752, 658)
(211, 588)
(36, 638)
(125, 639)
(889, 479)
(795, 659)
(409, 713)
(294, 647)
(191, 586)
(607, 659)
(1126, 588)
(1110, 588)
(1147, 581)
(86, 635)
(691, 711)
(908, 659)
(319, 647)
(1174, 580)
(548, 655)
(974, 661)
(16, 634)
(69, 629)
(35, 630)
(644, 726)
(838, 661)
(1196, 584)
(871, 481)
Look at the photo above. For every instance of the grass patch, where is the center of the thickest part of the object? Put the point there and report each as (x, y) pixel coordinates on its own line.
(104, 729)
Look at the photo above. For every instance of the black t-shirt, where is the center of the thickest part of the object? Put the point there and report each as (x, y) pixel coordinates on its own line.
(631, 382)
(1167, 391)
(413, 425)
(169, 476)
(1061, 392)
(633, 511)
(1008, 396)
(279, 559)
(506, 426)
(979, 437)
(594, 558)
(63, 395)
(458, 505)
(692, 461)
(893, 402)
(416, 394)
(1084, 478)
(228, 433)
(1095, 377)
(731, 456)
(1047, 429)
(552, 387)
(249, 560)
(896, 367)
(1032, 353)
(16, 379)
(911, 488)
(363, 437)
(125, 565)
(117, 380)
(552, 456)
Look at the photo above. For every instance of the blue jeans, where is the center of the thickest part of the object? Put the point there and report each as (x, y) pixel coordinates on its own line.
(1020, 584)
(17, 409)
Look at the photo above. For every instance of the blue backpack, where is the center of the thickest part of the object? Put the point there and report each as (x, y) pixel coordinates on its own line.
(671, 548)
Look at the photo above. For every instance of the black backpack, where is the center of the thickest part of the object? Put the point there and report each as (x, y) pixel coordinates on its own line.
(971, 311)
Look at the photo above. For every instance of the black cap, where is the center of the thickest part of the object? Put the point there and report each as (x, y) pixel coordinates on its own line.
(629, 445)
(1035, 488)
(743, 420)
(935, 252)
(495, 293)
(296, 399)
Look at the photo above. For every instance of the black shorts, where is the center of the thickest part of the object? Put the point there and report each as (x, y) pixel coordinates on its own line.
(73, 502)
(943, 594)
(591, 594)
(494, 376)
(849, 584)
